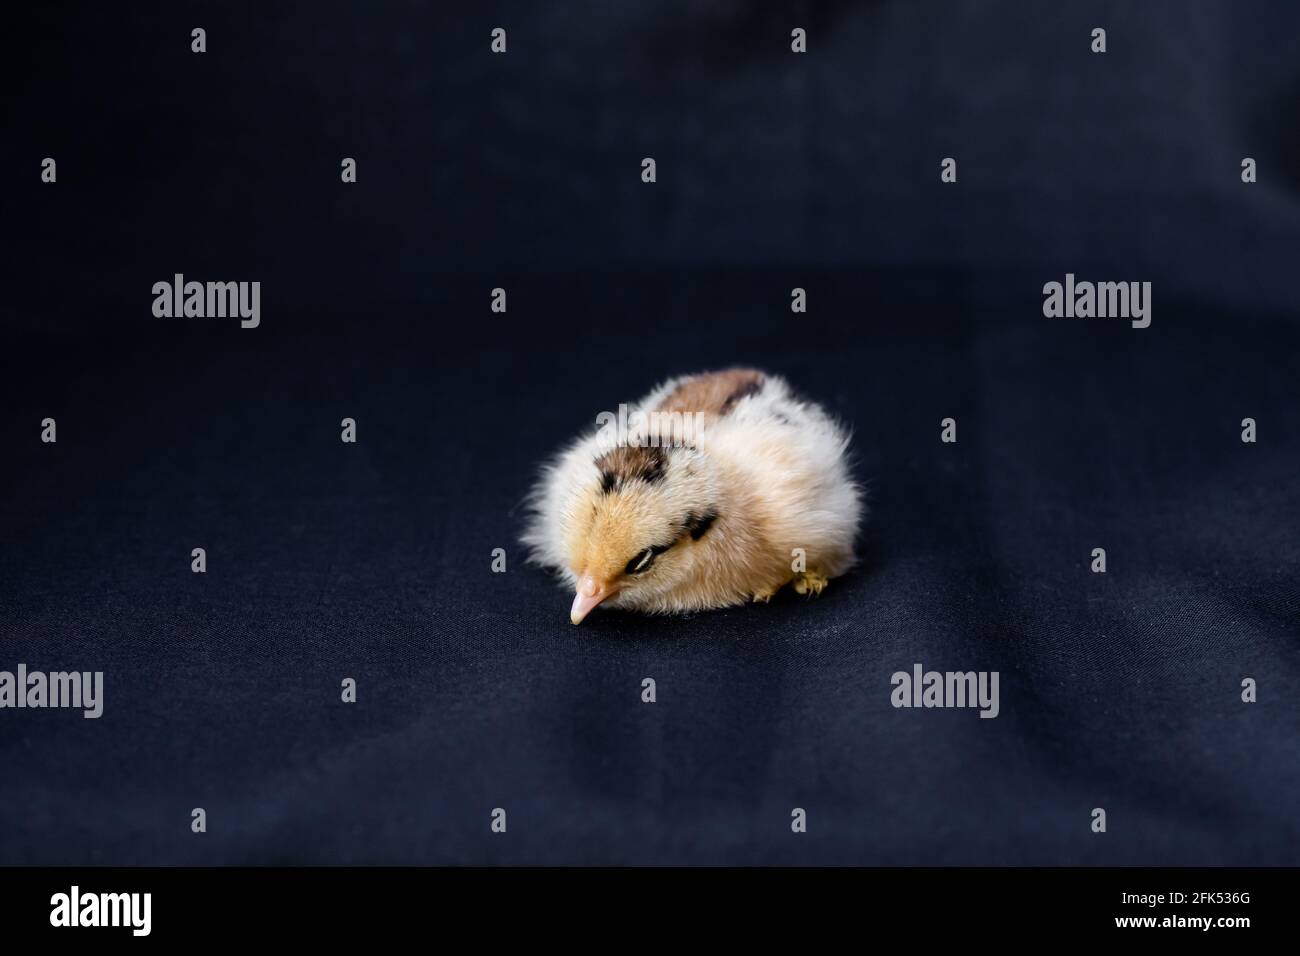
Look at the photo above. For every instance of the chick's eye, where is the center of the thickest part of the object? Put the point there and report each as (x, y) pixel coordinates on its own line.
(641, 562)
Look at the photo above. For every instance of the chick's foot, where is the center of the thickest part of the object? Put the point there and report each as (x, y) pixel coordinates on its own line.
(810, 583)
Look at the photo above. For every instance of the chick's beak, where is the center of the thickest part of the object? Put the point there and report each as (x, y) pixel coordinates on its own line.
(589, 595)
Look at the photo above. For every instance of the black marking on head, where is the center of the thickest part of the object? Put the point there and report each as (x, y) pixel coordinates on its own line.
(696, 525)
(626, 463)
(744, 390)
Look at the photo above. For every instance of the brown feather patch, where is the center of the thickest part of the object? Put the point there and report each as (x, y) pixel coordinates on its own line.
(629, 463)
(715, 393)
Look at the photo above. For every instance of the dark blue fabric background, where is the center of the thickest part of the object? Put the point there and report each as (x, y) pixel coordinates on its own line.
(372, 560)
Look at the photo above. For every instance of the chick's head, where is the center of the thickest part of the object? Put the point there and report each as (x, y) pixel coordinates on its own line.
(637, 528)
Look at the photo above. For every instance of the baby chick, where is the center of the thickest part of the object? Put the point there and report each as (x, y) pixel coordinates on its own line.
(722, 488)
